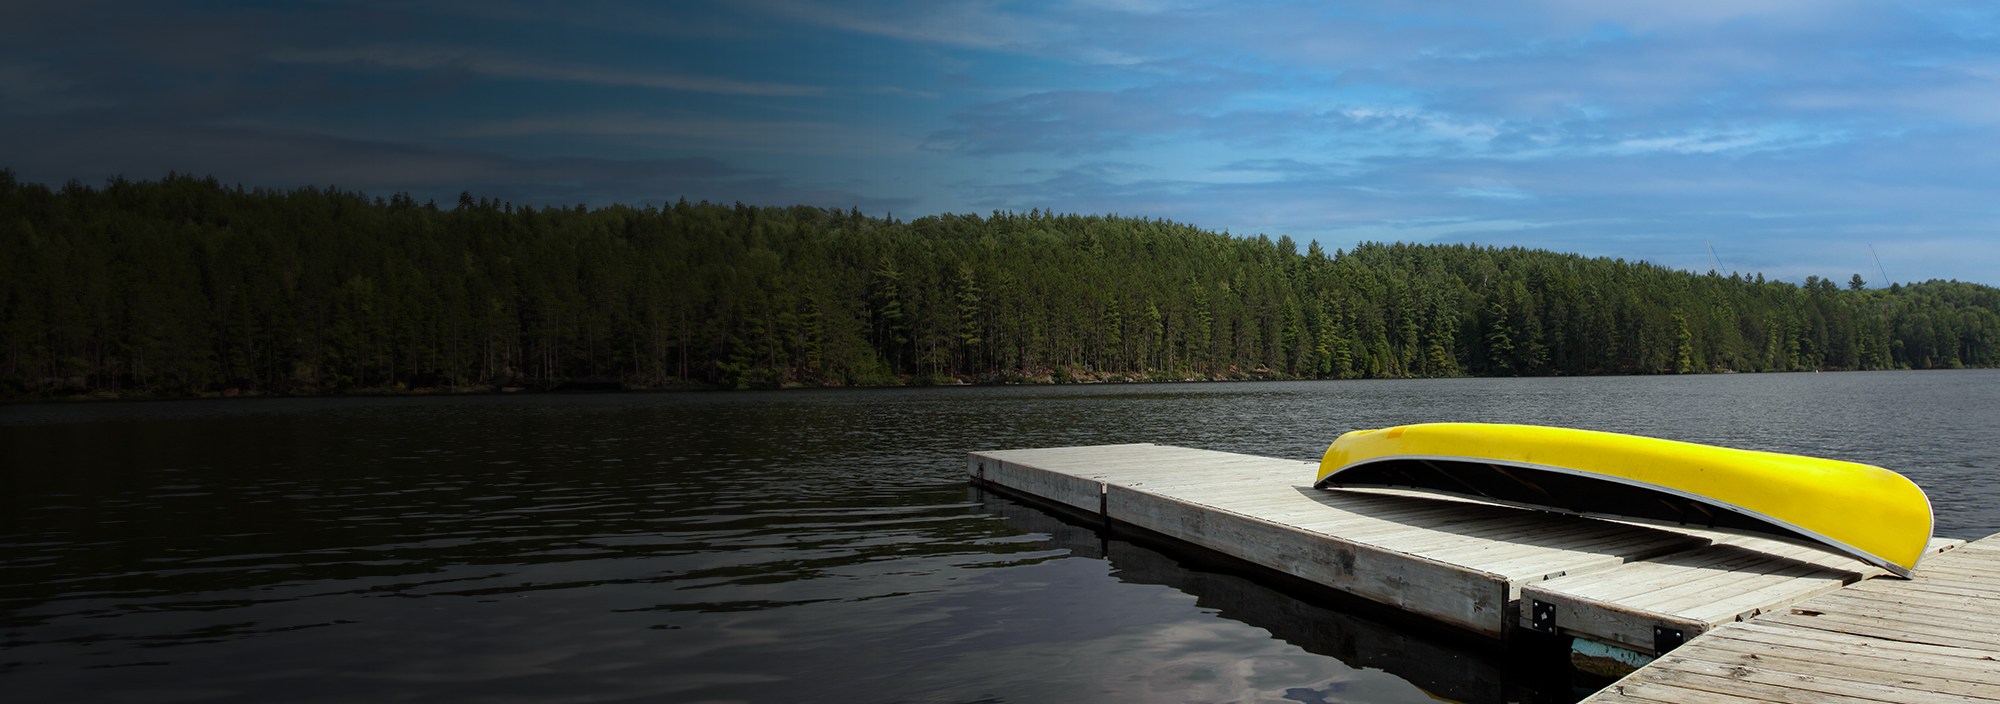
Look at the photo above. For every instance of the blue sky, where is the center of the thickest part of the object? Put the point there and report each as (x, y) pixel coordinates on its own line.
(1789, 136)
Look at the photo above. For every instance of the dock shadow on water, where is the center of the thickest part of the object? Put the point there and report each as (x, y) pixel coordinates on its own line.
(1381, 655)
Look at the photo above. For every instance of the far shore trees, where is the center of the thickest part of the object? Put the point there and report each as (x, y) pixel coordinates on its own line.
(185, 286)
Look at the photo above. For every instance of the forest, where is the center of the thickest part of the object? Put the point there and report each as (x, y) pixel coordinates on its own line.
(185, 286)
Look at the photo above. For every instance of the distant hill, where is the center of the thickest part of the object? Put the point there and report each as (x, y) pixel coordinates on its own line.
(185, 287)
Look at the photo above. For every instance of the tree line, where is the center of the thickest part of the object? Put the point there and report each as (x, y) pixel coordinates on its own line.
(186, 286)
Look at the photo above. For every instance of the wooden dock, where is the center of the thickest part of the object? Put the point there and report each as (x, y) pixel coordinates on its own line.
(1933, 638)
(1652, 606)
(1487, 569)
(1460, 563)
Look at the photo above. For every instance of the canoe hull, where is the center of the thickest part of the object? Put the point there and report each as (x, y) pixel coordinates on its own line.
(1864, 511)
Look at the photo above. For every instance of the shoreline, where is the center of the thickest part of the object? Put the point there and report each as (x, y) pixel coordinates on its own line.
(609, 387)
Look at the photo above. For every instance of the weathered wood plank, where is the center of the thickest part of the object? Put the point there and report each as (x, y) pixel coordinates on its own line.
(1734, 684)
(1664, 693)
(1742, 577)
(1413, 526)
(1753, 603)
(1964, 663)
(1926, 585)
(1450, 593)
(1077, 492)
(1618, 540)
(1729, 653)
(1986, 547)
(1964, 572)
(1884, 629)
(1761, 680)
(1480, 532)
(1355, 506)
(1607, 622)
(1201, 468)
(1611, 618)
(1641, 578)
(1948, 622)
(1270, 498)
(1958, 582)
(1638, 549)
(1935, 637)
(1751, 578)
(1887, 601)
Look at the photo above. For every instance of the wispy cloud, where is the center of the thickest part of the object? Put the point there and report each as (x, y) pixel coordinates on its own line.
(496, 65)
(31, 89)
(961, 24)
(631, 125)
(1491, 193)
(702, 133)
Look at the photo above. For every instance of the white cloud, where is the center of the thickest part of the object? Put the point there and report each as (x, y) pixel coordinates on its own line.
(1141, 7)
(1702, 143)
(1492, 193)
(1654, 16)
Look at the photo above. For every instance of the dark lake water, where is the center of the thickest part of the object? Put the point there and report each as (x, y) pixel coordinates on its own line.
(785, 546)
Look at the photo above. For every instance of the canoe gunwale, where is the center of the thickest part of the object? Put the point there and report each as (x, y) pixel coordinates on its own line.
(1332, 480)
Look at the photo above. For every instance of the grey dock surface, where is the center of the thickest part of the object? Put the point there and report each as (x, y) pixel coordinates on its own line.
(1654, 605)
(1476, 566)
(1457, 562)
(1933, 638)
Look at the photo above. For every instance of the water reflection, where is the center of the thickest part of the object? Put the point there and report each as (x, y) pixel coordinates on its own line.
(807, 546)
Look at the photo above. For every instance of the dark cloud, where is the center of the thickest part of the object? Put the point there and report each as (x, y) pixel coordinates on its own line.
(362, 95)
(56, 151)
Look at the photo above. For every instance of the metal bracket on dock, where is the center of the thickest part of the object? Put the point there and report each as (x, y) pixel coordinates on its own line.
(1542, 617)
(1665, 639)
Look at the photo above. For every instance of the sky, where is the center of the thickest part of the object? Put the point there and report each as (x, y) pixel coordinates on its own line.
(1782, 137)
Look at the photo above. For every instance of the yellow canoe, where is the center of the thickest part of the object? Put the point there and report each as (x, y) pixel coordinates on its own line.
(1868, 512)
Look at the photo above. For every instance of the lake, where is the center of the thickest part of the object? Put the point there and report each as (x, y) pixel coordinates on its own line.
(791, 546)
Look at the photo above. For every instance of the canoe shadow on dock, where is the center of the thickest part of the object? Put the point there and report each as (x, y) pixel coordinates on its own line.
(1476, 519)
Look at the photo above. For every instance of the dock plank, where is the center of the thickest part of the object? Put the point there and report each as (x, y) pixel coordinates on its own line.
(1733, 654)
(1964, 663)
(1738, 578)
(1932, 638)
(1784, 684)
(1449, 593)
(1661, 693)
